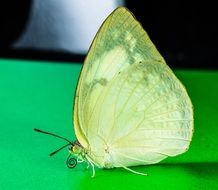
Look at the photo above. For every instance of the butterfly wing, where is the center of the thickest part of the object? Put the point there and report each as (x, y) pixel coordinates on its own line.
(128, 102)
(153, 116)
(108, 55)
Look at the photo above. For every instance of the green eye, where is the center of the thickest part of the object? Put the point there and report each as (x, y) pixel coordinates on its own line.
(76, 149)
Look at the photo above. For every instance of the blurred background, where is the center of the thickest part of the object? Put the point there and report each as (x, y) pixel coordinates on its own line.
(185, 33)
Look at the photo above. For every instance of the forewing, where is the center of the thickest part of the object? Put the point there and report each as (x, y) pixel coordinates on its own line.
(119, 43)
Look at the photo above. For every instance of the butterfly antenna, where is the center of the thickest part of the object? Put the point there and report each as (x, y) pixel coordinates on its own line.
(40, 131)
(47, 133)
(59, 149)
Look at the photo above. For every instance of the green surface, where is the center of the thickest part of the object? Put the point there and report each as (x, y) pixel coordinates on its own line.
(40, 94)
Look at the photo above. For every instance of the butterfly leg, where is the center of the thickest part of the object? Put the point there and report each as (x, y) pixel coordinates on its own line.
(87, 165)
(133, 171)
(80, 159)
(93, 167)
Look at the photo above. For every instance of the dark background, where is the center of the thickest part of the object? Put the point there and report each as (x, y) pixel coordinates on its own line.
(185, 33)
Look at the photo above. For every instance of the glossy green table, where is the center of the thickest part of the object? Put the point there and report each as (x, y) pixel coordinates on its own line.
(40, 94)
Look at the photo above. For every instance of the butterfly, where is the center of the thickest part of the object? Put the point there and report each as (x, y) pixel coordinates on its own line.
(130, 109)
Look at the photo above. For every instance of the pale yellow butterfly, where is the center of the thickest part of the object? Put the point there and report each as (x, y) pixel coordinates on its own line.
(130, 109)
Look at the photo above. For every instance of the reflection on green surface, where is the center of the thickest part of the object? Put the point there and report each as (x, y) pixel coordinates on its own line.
(34, 94)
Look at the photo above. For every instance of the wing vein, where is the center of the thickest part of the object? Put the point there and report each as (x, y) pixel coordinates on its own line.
(139, 124)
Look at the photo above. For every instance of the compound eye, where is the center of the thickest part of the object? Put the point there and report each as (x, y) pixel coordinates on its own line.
(74, 149)
(70, 148)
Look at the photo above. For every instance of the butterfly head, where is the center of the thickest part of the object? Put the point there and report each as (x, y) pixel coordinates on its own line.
(75, 148)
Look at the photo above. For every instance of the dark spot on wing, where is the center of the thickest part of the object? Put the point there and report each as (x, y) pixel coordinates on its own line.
(101, 81)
